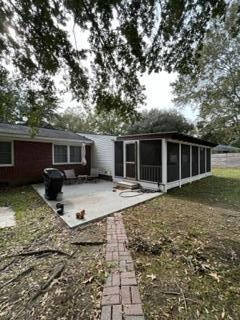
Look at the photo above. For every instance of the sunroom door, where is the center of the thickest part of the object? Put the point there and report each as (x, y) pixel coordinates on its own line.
(131, 160)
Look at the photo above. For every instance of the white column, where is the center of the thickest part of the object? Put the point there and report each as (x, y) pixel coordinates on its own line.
(164, 164)
(180, 165)
(113, 157)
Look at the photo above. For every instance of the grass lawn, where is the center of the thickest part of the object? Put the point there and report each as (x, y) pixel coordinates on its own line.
(186, 245)
(76, 291)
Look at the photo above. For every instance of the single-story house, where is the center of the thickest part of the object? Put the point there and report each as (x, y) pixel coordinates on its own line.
(155, 160)
(23, 157)
(162, 160)
(222, 148)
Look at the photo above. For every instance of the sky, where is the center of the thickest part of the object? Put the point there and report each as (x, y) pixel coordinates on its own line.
(159, 94)
(158, 90)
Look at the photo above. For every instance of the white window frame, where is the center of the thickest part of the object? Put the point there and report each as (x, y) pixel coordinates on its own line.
(12, 154)
(68, 153)
(71, 145)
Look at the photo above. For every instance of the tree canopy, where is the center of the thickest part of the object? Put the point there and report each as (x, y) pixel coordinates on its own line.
(125, 39)
(215, 88)
(156, 120)
(90, 122)
(19, 104)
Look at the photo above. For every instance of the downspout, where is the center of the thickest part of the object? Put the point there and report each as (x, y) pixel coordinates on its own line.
(83, 160)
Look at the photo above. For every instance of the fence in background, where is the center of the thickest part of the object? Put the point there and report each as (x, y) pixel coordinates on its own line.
(226, 160)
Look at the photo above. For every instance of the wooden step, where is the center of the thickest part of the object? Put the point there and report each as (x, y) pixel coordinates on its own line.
(128, 184)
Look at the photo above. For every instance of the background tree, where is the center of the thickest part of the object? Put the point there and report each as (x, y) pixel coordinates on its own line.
(90, 122)
(27, 106)
(11, 101)
(156, 120)
(215, 88)
(125, 39)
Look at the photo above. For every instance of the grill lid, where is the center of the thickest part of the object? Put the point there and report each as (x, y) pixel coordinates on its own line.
(53, 173)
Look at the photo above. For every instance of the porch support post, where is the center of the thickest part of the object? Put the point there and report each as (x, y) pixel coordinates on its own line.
(164, 165)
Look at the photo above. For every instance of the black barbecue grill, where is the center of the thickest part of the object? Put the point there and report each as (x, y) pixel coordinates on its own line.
(53, 181)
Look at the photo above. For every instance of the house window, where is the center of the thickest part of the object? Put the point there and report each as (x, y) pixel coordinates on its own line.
(75, 154)
(5, 153)
(60, 154)
(65, 154)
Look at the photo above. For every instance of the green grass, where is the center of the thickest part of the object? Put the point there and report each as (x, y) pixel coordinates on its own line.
(31, 214)
(223, 188)
(200, 261)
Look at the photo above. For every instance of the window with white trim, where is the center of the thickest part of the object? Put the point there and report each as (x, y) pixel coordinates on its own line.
(5, 153)
(67, 154)
(60, 153)
(75, 154)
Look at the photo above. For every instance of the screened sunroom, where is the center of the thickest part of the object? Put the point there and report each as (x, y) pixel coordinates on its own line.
(162, 160)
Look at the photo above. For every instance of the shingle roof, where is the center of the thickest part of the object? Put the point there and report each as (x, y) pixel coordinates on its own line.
(51, 134)
(168, 135)
(225, 148)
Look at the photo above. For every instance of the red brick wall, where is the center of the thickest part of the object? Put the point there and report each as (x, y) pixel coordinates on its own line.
(30, 158)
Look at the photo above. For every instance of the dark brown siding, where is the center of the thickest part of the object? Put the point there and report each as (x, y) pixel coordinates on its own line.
(30, 158)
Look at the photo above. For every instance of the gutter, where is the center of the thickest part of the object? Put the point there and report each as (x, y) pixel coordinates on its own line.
(42, 139)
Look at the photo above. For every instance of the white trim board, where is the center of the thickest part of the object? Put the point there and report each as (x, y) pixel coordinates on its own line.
(42, 139)
(169, 185)
(68, 154)
(12, 155)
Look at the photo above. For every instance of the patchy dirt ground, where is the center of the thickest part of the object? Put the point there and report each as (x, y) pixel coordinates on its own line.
(186, 247)
(63, 285)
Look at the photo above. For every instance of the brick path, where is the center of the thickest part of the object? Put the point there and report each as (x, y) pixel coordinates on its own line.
(121, 298)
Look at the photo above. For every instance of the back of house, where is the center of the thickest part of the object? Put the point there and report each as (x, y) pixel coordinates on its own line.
(24, 156)
(102, 153)
(154, 160)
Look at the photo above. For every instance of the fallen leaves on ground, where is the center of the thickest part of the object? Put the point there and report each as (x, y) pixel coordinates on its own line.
(75, 293)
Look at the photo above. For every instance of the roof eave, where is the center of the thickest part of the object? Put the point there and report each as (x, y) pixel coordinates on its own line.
(174, 135)
(42, 139)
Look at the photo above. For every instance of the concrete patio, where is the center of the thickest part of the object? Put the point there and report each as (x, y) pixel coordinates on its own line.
(7, 217)
(97, 199)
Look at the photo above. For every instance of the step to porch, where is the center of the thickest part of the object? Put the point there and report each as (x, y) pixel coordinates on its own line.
(128, 184)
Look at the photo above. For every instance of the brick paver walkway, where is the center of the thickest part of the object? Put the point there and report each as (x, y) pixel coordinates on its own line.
(121, 298)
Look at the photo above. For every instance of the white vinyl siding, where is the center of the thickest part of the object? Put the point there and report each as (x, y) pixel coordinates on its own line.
(6, 153)
(102, 152)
